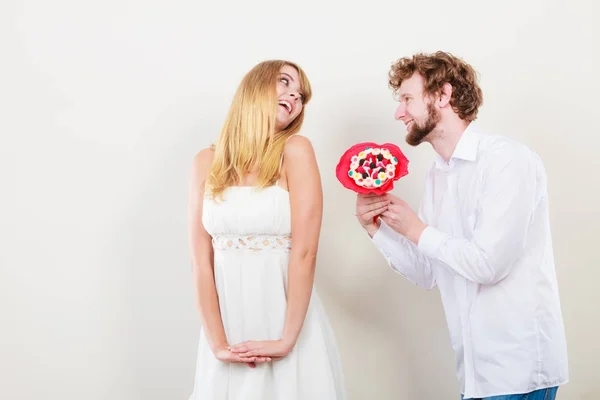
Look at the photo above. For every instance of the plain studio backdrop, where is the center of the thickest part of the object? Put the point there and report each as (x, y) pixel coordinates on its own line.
(104, 104)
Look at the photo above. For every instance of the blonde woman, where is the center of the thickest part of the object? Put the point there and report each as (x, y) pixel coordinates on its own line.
(264, 332)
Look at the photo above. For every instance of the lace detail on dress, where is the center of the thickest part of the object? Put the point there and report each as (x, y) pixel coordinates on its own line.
(254, 243)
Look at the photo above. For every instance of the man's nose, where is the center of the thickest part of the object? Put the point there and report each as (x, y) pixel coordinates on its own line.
(400, 112)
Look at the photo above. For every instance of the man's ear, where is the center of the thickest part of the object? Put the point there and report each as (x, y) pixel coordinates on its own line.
(445, 95)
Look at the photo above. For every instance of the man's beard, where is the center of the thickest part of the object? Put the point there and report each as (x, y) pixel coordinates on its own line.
(417, 134)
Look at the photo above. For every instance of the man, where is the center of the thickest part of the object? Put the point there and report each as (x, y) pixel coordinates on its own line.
(482, 236)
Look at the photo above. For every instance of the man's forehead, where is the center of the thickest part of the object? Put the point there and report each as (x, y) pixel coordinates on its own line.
(410, 87)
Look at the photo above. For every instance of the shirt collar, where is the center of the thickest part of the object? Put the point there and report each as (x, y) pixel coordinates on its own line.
(466, 148)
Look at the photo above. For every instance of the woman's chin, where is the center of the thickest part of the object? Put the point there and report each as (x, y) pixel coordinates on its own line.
(281, 125)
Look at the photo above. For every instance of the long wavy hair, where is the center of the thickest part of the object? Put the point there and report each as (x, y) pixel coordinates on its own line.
(248, 140)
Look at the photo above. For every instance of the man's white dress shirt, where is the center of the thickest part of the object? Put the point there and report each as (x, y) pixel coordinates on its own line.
(488, 249)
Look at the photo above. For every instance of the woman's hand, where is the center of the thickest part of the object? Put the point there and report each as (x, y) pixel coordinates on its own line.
(272, 349)
(225, 355)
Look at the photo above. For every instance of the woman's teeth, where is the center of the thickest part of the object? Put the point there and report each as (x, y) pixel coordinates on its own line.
(287, 106)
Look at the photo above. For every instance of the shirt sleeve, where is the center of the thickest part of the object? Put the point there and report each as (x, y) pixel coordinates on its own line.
(506, 206)
(404, 257)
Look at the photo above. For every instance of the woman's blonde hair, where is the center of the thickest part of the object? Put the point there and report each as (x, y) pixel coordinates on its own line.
(248, 139)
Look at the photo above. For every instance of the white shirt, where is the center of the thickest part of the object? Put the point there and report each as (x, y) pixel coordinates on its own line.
(488, 249)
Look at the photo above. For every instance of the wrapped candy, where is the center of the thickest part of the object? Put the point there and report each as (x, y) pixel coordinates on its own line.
(371, 168)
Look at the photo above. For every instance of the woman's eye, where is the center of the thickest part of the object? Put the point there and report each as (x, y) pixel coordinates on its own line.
(285, 81)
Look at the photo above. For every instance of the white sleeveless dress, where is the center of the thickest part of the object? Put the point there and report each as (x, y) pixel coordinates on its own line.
(251, 231)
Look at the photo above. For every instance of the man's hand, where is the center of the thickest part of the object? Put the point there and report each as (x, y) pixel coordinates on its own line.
(369, 206)
(402, 219)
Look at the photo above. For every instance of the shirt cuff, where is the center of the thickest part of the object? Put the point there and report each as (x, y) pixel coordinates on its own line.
(431, 241)
(384, 235)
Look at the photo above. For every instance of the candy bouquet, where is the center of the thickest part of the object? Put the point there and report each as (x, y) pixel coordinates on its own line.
(371, 168)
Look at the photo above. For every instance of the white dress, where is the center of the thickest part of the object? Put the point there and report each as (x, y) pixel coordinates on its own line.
(251, 231)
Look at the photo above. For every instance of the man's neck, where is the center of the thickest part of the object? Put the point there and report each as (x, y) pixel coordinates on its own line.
(446, 135)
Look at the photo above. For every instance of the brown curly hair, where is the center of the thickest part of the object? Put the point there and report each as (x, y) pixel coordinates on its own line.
(437, 69)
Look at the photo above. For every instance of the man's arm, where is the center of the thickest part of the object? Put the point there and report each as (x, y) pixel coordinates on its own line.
(503, 217)
(402, 255)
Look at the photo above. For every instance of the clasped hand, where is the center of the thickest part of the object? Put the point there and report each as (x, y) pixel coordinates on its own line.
(252, 352)
(394, 211)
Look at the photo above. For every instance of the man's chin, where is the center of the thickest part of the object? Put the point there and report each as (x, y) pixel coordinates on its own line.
(415, 139)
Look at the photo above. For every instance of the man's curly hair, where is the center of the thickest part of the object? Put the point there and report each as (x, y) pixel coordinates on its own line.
(437, 69)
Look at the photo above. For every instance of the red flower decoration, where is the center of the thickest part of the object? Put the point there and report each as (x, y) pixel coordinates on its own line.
(371, 168)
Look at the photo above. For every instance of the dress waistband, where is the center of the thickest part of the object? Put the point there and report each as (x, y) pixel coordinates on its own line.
(255, 243)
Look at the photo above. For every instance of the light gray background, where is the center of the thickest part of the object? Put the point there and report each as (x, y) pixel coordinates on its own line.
(103, 104)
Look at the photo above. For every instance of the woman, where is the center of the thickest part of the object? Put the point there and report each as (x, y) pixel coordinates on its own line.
(264, 332)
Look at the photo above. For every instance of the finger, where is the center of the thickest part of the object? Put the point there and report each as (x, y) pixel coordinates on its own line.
(241, 344)
(251, 365)
(396, 200)
(389, 215)
(388, 221)
(373, 200)
(396, 210)
(247, 359)
(374, 210)
(248, 354)
(239, 349)
(367, 195)
(263, 359)
(371, 196)
(374, 205)
(397, 207)
(371, 214)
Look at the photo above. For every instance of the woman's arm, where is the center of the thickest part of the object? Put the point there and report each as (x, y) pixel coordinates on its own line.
(306, 199)
(202, 255)
(203, 267)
